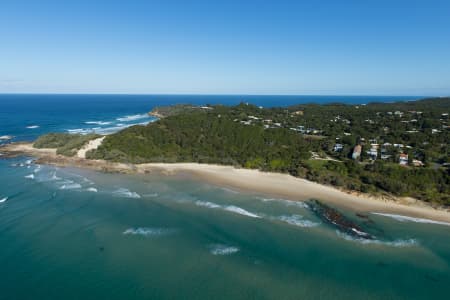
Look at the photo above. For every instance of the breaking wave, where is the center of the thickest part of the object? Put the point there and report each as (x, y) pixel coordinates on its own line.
(411, 219)
(394, 243)
(149, 231)
(230, 208)
(298, 220)
(70, 186)
(220, 249)
(207, 204)
(240, 211)
(92, 189)
(300, 204)
(132, 117)
(3, 200)
(97, 122)
(31, 176)
(123, 192)
(33, 126)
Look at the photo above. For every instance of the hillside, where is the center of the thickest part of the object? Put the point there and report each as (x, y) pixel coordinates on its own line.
(301, 140)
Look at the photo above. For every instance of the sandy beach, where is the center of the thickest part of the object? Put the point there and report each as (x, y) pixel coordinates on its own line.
(273, 184)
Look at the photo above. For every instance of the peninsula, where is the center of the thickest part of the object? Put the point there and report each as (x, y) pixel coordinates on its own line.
(384, 157)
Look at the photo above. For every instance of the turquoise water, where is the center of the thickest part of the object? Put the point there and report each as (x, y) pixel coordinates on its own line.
(78, 234)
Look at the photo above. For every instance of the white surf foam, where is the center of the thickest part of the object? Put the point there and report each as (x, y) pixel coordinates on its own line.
(132, 117)
(97, 123)
(123, 192)
(149, 231)
(394, 243)
(70, 186)
(33, 126)
(220, 249)
(3, 200)
(241, 211)
(92, 189)
(230, 208)
(300, 204)
(411, 219)
(79, 131)
(207, 204)
(298, 220)
(31, 176)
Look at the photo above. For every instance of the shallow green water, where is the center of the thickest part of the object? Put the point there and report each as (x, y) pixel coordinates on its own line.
(76, 234)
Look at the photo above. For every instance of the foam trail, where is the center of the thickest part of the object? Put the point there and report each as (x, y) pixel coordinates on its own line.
(411, 219)
(395, 243)
(297, 220)
(220, 249)
(123, 192)
(230, 208)
(207, 204)
(240, 211)
(3, 200)
(70, 186)
(132, 117)
(149, 232)
(286, 202)
(97, 123)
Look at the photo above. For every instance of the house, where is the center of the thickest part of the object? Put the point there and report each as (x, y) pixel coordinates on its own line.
(298, 113)
(433, 131)
(373, 153)
(403, 160)
(338, 147)
(356, 152)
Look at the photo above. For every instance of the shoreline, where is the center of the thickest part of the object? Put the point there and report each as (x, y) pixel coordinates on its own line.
(247, 180)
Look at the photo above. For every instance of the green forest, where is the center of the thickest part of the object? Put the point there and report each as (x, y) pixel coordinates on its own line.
(300, 140)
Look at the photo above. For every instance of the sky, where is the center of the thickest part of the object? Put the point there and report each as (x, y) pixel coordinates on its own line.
(321, 47)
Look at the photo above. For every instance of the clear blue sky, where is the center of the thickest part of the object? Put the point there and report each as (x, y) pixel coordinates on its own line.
(391, 47)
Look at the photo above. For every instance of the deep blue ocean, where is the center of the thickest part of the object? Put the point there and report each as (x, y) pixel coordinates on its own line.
(67, 233)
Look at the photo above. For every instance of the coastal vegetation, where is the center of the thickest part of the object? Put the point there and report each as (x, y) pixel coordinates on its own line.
(65, 143)
(310, 141)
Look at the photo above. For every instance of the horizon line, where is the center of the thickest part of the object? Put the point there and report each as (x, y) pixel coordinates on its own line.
(219, 94)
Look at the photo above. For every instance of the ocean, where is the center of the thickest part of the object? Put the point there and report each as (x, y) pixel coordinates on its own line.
(67, 233)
